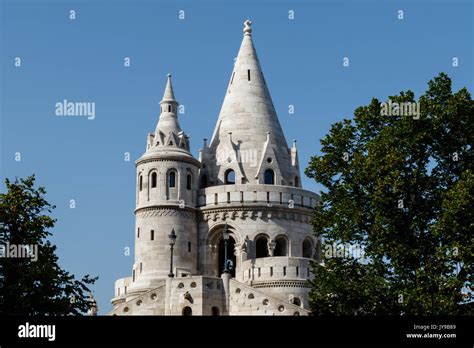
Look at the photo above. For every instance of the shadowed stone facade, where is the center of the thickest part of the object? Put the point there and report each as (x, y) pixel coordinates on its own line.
(247, 182)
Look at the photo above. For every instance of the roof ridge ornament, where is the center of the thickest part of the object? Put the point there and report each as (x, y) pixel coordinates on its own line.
(247, 27)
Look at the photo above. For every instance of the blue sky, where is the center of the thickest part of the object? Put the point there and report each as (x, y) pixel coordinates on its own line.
(82, 60)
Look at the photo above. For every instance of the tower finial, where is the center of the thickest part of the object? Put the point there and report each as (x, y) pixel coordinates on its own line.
(247, 27)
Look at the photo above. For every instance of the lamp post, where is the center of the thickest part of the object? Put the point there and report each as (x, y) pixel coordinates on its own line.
(172, 239)
(226, 239)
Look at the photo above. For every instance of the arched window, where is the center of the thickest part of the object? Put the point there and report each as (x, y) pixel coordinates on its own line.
(269, 177)
(215, 311)
(189, 181)
(187, 311)
(261, 247)
(140, 180)
(203, 181)
(297, 181)
(172, 179)
(230, 177)
(307, 249)
(296, 301)
(153, 179)
(281, 247)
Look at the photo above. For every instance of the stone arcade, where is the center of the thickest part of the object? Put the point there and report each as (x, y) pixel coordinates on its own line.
(258, 204)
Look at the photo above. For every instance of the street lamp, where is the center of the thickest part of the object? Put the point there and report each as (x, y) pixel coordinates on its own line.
(226, 239)
(172, 239)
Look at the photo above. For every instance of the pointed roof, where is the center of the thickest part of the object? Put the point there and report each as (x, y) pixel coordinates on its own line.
(168, 111)
(168, 96)
(168, 140)
(248, 112)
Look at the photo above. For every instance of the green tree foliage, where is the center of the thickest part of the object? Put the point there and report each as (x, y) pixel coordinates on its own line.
(29, 287)
(402, 188)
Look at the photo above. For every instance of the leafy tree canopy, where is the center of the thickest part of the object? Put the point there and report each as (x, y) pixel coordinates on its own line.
(34, 285)
(402, 188)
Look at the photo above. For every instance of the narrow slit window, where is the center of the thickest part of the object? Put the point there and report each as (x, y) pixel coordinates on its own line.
(169, 108)
(284, 271)
(172, 179)
(228, 197)
(189, 247)
(152, 235)
(189, 181)
(297, 271)
(153, 180)
(138, 232)
(248, 74)
(232, 80)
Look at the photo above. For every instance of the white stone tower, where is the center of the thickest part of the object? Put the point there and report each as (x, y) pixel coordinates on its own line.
(166, 198)
(244, 240)
(248, 138)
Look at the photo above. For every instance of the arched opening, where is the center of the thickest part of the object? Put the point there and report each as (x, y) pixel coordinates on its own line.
(140, 182)
(172, 179)
(281, 247)
(307, 249)
(215, 311)
(169, 108)
(203, 183)
(187, 311)
(231, 259)
(297, 181)
(153, 179)
(269, 177)
(296, 301)
(189, 182)
(230, 177)
(261, 247)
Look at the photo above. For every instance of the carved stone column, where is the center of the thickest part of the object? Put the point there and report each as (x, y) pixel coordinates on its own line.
(271, 247)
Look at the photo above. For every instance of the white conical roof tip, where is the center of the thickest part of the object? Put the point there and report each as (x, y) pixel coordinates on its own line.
(247, 27)
(169, 94)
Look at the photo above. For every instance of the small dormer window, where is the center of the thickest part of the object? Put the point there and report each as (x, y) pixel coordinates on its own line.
(229, 177)
(269, 177)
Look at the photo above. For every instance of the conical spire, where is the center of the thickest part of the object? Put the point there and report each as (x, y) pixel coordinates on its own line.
(169, 94)
(168, 111)
(248, 112)
(168, 138)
